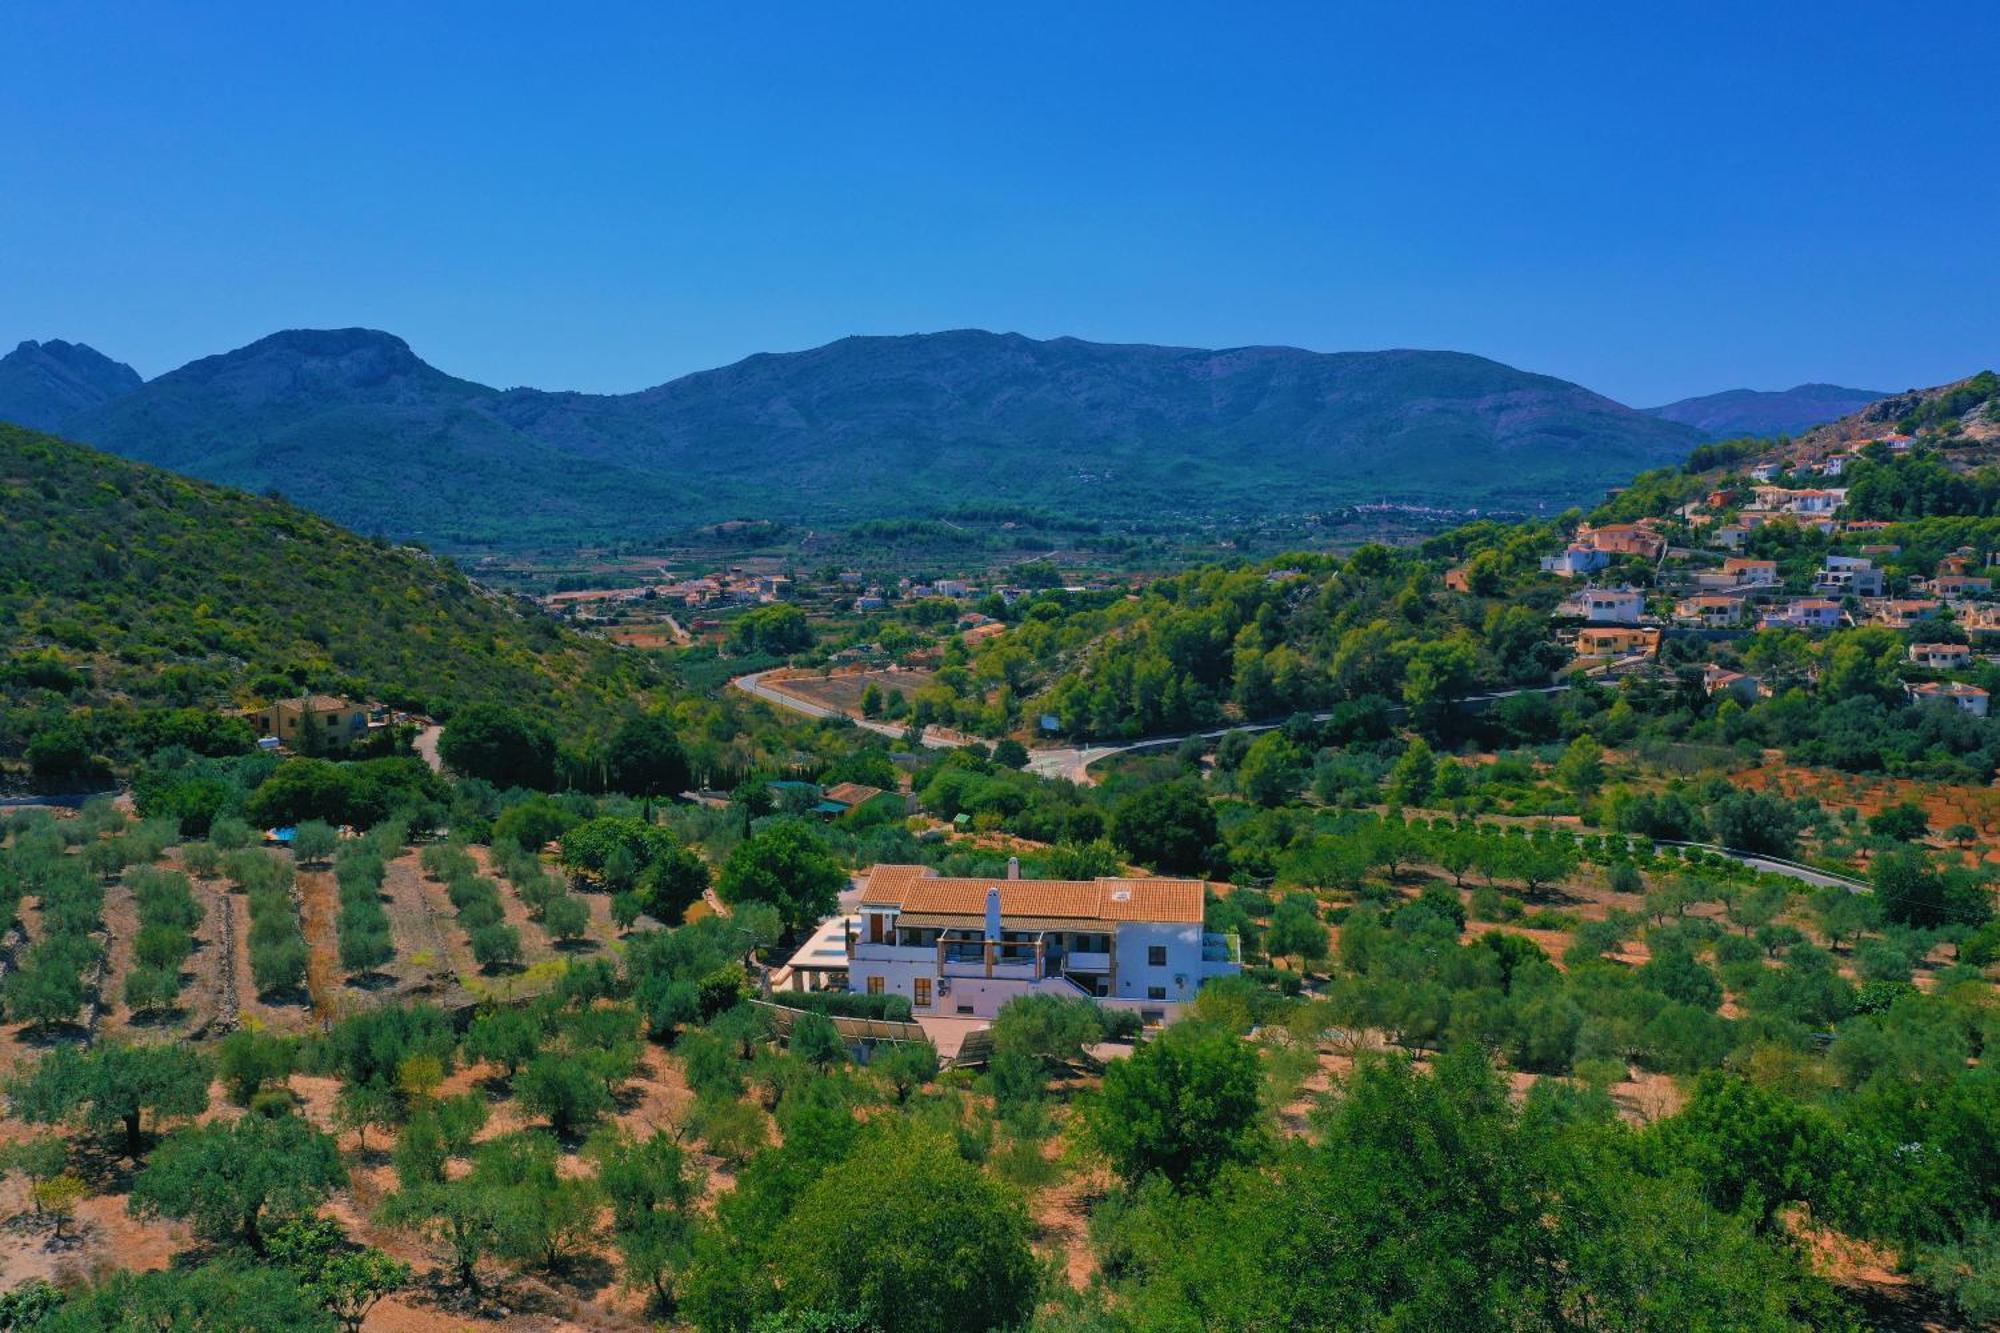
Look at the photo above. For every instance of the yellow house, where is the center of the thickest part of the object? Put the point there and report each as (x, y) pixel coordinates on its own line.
(1616, 641)
(333, 721)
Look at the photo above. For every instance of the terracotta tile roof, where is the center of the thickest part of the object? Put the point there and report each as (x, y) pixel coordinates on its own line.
(851, 794)
(916, 889)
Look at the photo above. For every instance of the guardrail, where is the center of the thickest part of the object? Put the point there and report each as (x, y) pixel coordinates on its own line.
(1737, 854)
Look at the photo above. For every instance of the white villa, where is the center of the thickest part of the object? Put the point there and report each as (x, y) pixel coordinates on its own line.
(964, 947)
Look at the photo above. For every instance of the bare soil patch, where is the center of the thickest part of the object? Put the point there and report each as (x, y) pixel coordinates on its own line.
(843, 690)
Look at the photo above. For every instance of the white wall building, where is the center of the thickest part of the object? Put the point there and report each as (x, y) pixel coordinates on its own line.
(964, 947)
(1605, 606)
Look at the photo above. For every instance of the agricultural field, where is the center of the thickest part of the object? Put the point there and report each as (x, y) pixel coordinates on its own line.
(843, 690)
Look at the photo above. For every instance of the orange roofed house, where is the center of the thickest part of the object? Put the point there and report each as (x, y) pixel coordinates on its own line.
(1604, 642)
(966, 946)
(333, 721)
(1624, 539)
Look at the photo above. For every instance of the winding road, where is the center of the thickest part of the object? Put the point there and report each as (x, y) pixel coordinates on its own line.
(1068, 761)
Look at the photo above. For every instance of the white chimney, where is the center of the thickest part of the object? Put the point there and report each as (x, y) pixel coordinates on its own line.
(1013, 867)
(993, 913)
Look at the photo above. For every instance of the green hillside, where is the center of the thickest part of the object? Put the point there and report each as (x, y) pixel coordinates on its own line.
(123, 586)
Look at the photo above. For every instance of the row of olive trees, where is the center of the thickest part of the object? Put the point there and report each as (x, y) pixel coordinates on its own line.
(476, 899)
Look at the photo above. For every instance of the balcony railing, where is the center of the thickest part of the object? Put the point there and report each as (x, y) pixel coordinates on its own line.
(865, 951)
(1015, 961)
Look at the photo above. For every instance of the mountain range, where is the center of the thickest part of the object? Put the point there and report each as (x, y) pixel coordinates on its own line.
(1735, 413)
(353, 424)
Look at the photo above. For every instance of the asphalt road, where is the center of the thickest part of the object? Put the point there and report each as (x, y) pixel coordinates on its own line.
(1062, 761)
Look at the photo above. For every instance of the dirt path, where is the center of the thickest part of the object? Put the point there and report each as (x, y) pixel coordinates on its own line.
(454, 955)
(121, 925)
(425, 743)
(319, 912)
(210, 997)
(423, 953)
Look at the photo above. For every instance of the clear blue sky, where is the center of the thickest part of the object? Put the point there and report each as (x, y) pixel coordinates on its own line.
(1653, 200)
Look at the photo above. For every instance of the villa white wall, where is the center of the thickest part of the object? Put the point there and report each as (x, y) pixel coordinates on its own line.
(1180, 976)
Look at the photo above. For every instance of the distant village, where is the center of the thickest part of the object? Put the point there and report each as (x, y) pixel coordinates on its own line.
(1703, 590)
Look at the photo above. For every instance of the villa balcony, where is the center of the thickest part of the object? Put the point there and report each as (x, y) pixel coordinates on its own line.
(1221, 948)
(1013, 962)
(862, 951)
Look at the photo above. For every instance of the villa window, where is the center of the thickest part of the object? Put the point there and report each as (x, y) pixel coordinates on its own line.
(922, 998)
(874, 985)
(1156, 955)
(1156, 992)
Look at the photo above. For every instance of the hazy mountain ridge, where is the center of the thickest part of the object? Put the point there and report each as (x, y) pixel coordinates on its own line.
(1735, 413)
(43, 384)
(352, 423)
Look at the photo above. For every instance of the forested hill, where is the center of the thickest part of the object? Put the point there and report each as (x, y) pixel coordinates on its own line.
(1735, 413)
(353, 424)
(122, 583)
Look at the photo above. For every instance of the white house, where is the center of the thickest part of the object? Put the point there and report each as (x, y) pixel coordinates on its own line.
(1807, 613)
(1843, 575)
(1605, 606)
(1941, 656)
(1576, 560)
(966, 946)
(1966, 698)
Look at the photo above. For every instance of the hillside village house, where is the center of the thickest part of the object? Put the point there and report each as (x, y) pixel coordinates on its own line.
(965, 946)
(1710, 611)
(1905, 612)
(1805, 504)
(1941, 656)
(1605, 606)
(333, 721)
(1807, 613)
(1960, 585)
(1623, 539)
(1721, 680)
(1614, 641)
(1575, 561)
(842, 797)
(1845, 575)
(1750, 573)
(1966, 698)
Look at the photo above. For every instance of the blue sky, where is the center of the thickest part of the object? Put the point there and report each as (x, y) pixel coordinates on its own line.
(1651, 200)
